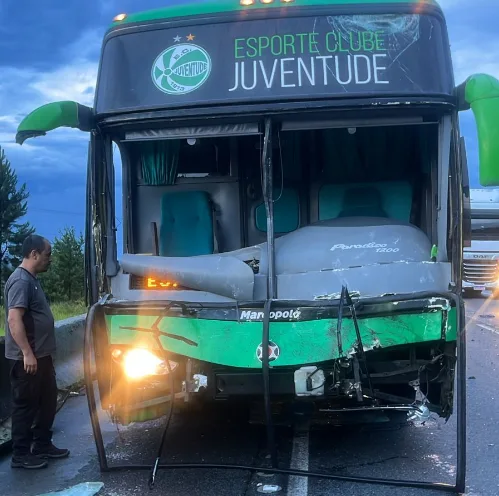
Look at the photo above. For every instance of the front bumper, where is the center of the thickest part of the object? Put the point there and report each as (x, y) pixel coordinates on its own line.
(478, 286)
(399, 334)
(300, 332)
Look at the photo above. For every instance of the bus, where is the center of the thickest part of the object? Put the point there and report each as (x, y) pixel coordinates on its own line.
(294, 187)
(481, 257)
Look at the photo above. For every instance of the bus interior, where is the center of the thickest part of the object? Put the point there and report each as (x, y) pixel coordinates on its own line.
(198, 190)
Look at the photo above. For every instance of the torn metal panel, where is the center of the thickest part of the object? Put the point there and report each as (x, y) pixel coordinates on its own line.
(226, 276)
(369, 281)
(348, 242)
(123, 291)
(374, 256)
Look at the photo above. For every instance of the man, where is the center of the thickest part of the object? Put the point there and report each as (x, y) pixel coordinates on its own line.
(29, 345)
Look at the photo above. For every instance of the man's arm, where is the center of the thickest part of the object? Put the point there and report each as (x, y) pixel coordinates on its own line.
(16, 326)
(18, 298)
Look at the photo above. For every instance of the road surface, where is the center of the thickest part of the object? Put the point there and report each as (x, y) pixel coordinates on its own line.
(224, 436)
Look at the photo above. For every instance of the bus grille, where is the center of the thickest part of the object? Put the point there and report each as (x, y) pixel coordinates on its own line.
(481, 272)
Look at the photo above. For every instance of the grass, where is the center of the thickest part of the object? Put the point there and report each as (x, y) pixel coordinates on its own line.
(61, 311)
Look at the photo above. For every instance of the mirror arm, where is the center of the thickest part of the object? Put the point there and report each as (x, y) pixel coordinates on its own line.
(460, 94)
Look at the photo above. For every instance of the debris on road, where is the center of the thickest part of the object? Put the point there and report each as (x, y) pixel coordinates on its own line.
(83, 489)
(268, 488)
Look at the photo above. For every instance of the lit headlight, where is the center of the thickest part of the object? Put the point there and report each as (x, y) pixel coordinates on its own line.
(139, 362)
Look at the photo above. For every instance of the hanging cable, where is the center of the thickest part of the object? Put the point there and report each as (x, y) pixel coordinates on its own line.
(267, 188)
(361, 351)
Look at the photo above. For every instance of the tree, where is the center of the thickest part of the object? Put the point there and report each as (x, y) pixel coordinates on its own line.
(65, 279)
(13, 206)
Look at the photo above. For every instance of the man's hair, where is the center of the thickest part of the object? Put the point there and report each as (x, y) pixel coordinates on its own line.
(33, 242)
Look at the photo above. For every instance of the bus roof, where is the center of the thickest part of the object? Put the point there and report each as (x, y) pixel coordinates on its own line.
(183, 8)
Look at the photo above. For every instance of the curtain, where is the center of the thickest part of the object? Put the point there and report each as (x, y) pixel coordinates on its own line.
(159, 162)
(371, 154)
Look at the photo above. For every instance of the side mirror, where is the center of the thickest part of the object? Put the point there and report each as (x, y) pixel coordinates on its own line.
(480, 92)
(53, 116)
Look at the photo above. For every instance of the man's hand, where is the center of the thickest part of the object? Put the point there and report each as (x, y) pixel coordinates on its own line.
(30, 363)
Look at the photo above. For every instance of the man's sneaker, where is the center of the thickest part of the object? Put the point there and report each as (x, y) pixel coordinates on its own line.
(28, 461)
(49, 451)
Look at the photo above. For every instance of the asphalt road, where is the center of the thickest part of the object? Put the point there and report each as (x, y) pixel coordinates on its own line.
(223, 435)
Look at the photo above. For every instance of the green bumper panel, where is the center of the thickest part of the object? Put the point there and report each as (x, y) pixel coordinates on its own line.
(235, 344)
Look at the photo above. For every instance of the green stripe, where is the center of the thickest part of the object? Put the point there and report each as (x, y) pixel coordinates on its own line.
(235, 343)
(219, 6)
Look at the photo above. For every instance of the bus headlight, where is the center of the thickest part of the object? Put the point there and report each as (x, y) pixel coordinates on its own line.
(138, 363)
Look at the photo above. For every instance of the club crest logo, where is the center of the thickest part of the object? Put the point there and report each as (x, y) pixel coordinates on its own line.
(181, 68)
(273, 352)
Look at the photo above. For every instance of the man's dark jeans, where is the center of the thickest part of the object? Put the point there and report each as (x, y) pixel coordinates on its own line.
(34, 400)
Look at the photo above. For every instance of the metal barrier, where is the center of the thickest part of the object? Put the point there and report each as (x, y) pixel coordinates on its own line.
(68, 360)
(5, 400)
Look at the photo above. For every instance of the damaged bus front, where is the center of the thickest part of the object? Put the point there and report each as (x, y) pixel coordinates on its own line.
(293, 183)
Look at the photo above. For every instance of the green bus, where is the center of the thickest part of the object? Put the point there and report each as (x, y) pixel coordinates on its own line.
(295, 206)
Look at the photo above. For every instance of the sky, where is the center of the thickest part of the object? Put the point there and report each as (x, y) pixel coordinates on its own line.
(49, 51)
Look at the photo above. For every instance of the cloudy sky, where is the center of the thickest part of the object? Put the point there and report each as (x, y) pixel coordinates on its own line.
(49, 51)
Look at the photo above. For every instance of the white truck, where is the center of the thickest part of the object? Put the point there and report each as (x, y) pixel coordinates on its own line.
(481, 259)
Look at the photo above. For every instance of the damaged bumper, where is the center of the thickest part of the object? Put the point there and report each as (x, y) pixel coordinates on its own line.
(301, 332)
(408, 348)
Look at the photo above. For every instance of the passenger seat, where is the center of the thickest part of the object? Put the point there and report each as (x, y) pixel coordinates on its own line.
(392, 199)
(189, 225)
(286, 211)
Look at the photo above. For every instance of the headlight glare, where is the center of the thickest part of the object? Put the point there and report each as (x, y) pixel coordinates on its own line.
(138, 363)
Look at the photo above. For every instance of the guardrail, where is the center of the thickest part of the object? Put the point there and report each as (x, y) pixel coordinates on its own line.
(68, 362)
(68, 359)
(5, 401)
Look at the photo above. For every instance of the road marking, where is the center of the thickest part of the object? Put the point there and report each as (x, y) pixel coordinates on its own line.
(298, 486)
(487, 328)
